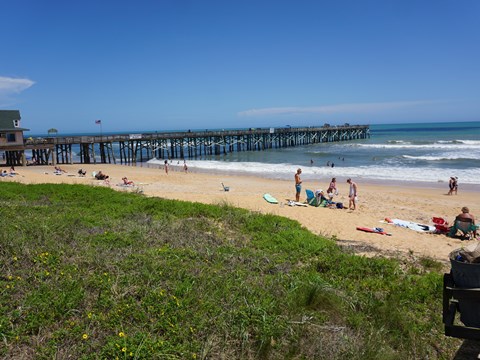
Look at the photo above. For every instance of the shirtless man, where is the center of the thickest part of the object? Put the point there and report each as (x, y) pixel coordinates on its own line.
(298, 185)
(465, 214)
(352, 195)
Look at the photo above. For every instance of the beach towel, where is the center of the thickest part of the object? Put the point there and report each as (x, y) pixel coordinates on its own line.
(376, 230)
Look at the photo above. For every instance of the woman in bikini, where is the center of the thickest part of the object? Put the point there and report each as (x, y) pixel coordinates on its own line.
(332, 188)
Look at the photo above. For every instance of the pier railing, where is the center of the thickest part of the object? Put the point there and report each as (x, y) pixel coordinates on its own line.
(139, 147)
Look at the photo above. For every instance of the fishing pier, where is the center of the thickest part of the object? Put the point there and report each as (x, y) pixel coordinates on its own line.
(128, 149)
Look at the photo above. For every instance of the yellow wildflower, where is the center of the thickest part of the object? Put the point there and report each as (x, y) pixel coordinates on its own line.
(84, 336)
(121, 334)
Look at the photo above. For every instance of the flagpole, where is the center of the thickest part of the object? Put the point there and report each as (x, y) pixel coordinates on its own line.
(99, 122)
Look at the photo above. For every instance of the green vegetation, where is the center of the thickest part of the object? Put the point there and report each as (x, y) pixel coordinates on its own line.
(90, 273)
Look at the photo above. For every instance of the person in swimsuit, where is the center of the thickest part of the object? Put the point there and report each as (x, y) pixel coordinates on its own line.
(352, 195)
(298, 185)
(451, 185)
(332, 188)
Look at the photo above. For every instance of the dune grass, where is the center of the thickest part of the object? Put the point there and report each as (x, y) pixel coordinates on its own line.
(90, 273)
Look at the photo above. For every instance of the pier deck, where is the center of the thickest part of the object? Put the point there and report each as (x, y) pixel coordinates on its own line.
(138, 147)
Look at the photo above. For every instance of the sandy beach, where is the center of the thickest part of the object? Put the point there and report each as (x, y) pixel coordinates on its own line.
(376, 202)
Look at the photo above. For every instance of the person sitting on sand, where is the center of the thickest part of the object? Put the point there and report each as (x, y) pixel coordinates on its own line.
(320, 195)
(101, 176)
(12, 171)
(4, 173)
(82, 172)
(127, 182)
(59, 171)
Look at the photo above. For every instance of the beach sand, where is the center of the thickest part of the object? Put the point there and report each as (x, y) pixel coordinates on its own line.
(416, 202)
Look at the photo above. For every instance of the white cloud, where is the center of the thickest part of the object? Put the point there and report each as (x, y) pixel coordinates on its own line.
(365, 108)
(11, 86)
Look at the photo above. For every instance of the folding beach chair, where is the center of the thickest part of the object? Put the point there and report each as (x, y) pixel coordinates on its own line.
(225, 188)
(311, 198)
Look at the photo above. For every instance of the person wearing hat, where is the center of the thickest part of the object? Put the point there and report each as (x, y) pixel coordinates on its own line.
(320, 195)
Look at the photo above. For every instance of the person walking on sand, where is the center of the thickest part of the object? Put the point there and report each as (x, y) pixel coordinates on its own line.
(298, 185)
(451, 185)
(352, 195)
(455, 185)
(166, 166)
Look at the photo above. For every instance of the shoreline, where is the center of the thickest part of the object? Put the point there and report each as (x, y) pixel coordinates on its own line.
(405, 183)
(376, 202)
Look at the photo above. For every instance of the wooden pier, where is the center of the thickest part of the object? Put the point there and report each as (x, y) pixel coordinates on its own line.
(128, 149)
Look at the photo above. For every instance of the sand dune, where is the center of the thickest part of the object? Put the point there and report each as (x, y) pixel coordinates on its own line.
(408, 202)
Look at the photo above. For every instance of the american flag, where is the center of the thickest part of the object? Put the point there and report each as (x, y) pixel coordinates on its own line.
(98, 122)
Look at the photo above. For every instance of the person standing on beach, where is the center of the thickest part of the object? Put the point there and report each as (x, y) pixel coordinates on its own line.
(455, 185)
(298, 185)
(352, 195)
(332, 188)
(166, 167)
(450, 185)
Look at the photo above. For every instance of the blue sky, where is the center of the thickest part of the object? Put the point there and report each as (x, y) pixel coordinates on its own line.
(177, 64)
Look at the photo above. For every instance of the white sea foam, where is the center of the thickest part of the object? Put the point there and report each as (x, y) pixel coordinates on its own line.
(286, 171)
(445, 156)
(473, 145)
(469, 142)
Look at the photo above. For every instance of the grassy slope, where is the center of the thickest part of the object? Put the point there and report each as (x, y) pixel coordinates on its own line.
(92, 273)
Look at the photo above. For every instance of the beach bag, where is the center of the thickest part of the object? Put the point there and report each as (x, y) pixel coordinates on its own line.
(339, 205)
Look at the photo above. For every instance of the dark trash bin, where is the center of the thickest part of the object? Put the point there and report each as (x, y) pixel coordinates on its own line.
(466, 275)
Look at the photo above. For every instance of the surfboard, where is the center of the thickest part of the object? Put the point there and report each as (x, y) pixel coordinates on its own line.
(296, 203)
(373, 230)
(269, 198)
(411, 225)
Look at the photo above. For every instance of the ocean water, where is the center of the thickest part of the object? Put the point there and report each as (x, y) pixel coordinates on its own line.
(421, 152)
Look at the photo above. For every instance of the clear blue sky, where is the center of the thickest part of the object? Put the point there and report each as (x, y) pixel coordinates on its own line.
(196, 64)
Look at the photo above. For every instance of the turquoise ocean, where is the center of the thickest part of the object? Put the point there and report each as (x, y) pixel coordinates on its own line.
(420, 152)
